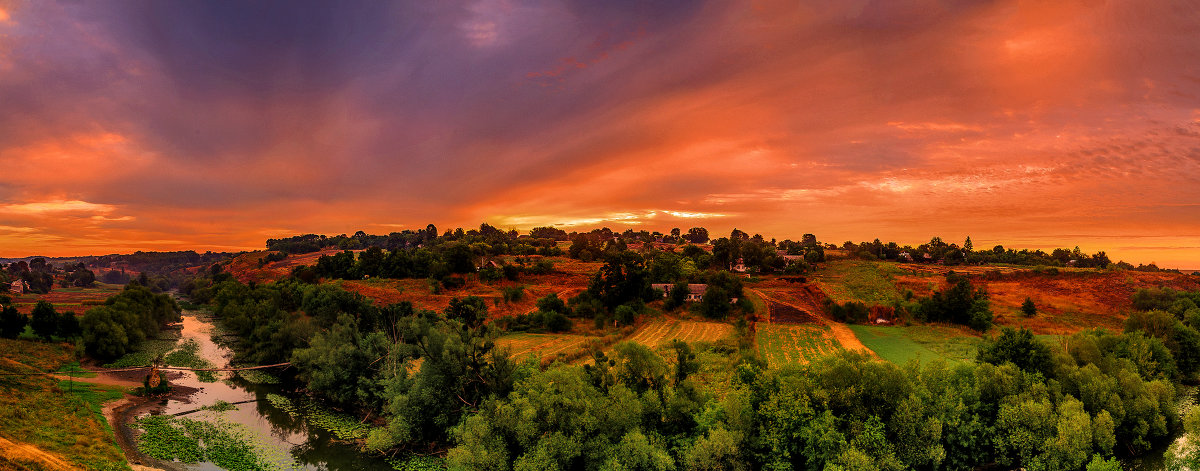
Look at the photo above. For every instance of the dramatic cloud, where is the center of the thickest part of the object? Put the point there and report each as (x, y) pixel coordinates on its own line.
(215, 125)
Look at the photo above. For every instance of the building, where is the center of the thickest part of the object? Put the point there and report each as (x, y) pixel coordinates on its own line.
(19, 287)
(695, 290)
(740, 267)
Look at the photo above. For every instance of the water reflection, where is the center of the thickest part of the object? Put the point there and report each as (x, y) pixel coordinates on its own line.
(273, 428)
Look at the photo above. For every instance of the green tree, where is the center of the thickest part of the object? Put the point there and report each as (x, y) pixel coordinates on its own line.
(341, 365)
(1018, 347)
(67, 325)
(1028, 308)
(471, 311)
(43, 320)
(12, 322)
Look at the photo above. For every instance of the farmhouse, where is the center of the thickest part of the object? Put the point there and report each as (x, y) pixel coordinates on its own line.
(19, 287)
(695, 290)
(740, 267)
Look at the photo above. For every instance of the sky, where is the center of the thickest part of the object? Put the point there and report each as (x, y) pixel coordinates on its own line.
(175, 125)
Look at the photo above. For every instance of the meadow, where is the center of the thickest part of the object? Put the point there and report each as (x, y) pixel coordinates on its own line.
(923, 343)
(858, 280)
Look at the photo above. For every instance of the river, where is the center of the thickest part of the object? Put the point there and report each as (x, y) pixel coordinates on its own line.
(288, 442)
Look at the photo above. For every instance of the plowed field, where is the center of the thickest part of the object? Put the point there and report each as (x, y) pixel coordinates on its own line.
(663, 331)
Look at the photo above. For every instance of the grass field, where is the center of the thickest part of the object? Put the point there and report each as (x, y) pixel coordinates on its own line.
(859, 280)
(792, 344)
(59, 417)
(901, 344)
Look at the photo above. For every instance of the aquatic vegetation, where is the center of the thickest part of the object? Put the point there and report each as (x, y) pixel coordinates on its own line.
(418, 463)
(146, 353)
(342, 426)
(258, 377)
(222, 443)
(284, 404)
(220, 406)
(187, 355)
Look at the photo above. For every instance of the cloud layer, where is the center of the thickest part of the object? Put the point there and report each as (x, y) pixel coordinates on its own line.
(168, 125)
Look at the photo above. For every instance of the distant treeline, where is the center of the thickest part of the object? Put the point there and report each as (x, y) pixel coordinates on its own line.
(159, 263)
(939, 251)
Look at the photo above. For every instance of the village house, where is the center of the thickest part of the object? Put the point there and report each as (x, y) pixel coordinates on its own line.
(695, 290)
(905, 256)
(19, 287)
(740, 267)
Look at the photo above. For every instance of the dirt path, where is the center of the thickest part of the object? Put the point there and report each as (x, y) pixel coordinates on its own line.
(14, 451)
(100, 378)
(843, 334)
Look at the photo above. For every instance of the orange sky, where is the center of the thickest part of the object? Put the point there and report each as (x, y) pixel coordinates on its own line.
(166, 125)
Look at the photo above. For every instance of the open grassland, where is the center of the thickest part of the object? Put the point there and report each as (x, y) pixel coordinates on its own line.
(61, 418)
(858, 280)
(68, 299)
(793, 344)
(927, 342)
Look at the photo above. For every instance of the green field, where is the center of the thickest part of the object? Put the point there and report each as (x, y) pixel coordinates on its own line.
(786, 344)
(901, 344)
(859, 280)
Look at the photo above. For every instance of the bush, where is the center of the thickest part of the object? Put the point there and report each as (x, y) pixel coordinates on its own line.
(1028, 308)
(852, 312)
(512, 294)
(454, 282)
(625, 314)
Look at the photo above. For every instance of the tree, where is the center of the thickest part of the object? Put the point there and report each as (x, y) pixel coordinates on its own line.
(697, 235)
(1020, 348)
(12, 322)
(471, 311)
(44, 320)
(552, 303)
(68, 325)
(968, 246)
(1028, 308)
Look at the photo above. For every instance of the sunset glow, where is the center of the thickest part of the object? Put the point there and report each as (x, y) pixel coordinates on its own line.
(164, 125)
